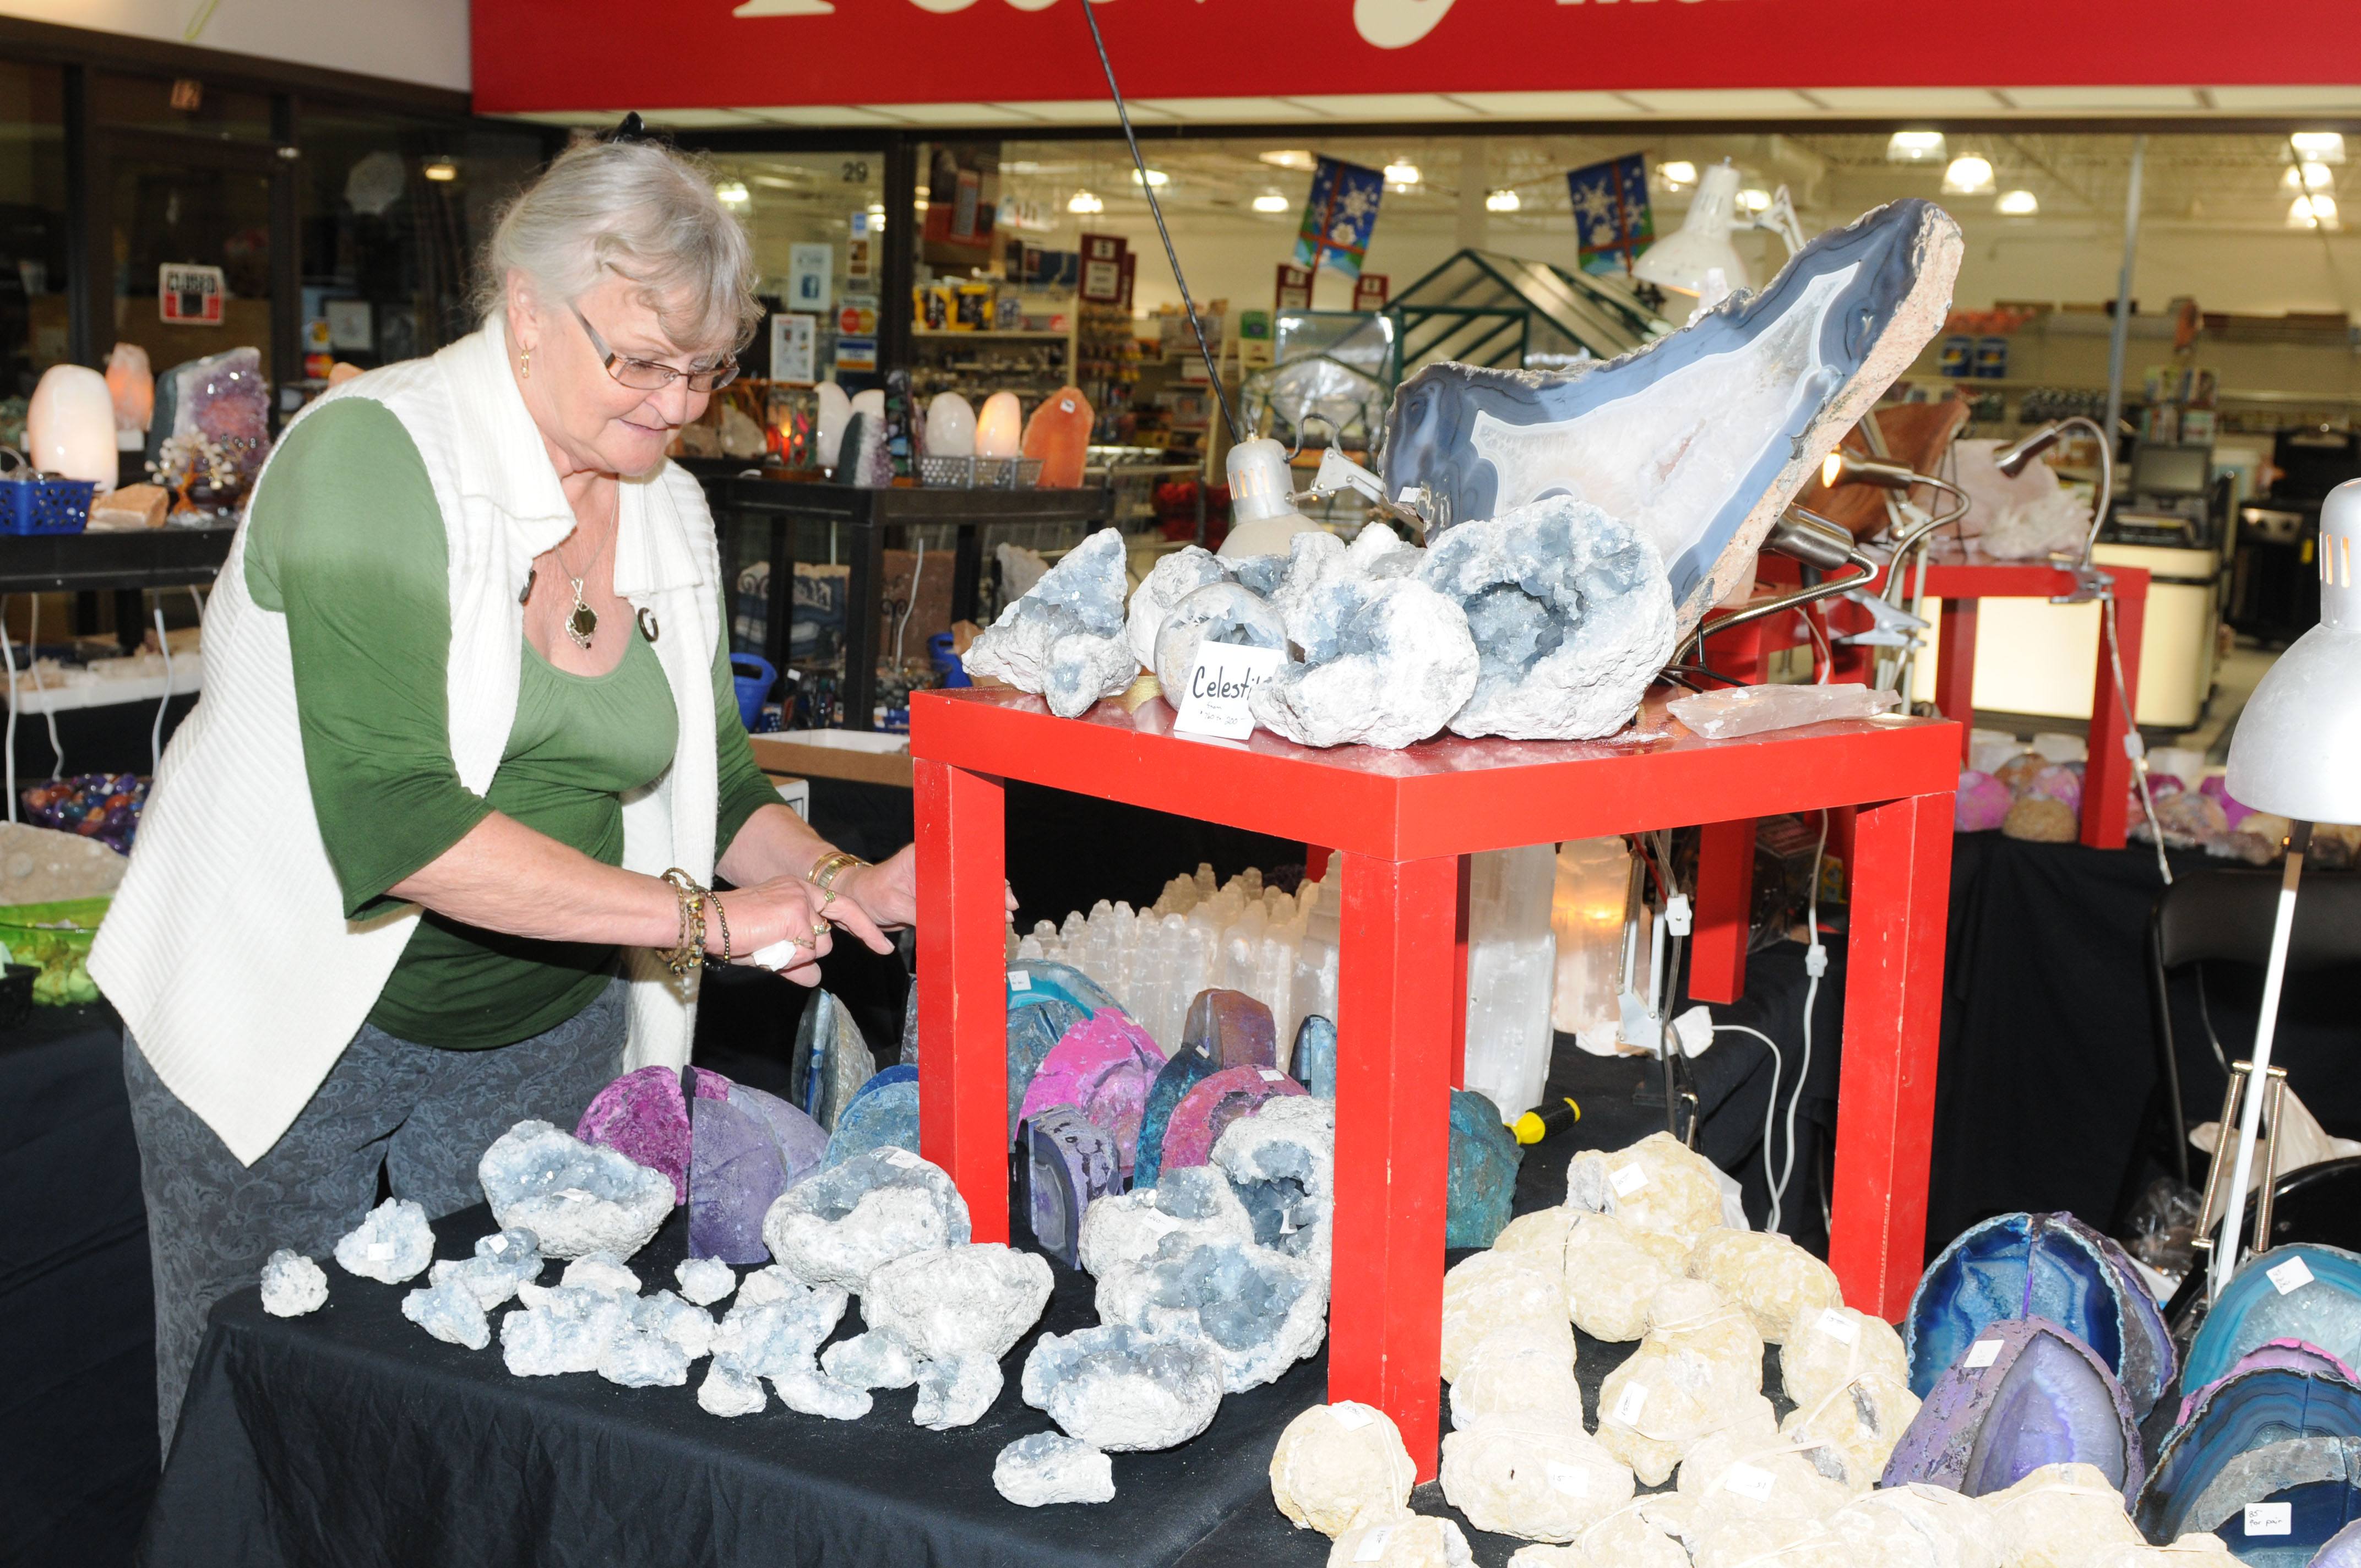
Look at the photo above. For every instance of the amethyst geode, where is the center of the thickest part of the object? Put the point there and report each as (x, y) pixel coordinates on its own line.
(644, 1116)
(2024, 1393)
(729, 1150)
(1206, 1111)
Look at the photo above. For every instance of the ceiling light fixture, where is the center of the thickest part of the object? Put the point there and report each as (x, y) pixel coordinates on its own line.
(1678, 175)
(1968, 175)
(1503, 200)
(2319, 146)
(441, 170)
(1915, 147)
(1156, 176)
(1271, 202)
(1084, 201)
(2308, 176)
(2016, 204)
(1401, 173)
(1754, 199)
(1289, 158)
(731, 193)
(2312, 211)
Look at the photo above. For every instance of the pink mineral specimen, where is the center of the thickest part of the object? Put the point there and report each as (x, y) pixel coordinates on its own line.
(1981, 805)
(2233, 811)
(1206, 1111)
(2060, 782)
(1102, 1067)
(644, 1116)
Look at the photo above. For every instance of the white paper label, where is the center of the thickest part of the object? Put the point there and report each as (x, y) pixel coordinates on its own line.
(497, 1244)
(1270, 1075)
(1569, 1478)
(2289, 1276)
(1627, 1179)
(1215, 700)
(1748, 1482)
(1019, 980)
(1352, 1418)
(1983, 1353)
(901, 1159)
(379, 1251)
(1630, 1402)
(1838, 1327)
(2271, 1519)
(1373, 1545)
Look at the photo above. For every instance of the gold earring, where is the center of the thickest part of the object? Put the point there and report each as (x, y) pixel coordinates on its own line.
(525, 368)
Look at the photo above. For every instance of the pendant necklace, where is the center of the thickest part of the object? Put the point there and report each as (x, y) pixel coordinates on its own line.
(581, 622)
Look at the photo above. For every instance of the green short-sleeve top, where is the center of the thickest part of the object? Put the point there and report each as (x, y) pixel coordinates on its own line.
(346, 541)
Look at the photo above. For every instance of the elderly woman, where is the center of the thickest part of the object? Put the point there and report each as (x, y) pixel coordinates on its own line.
(475, 610)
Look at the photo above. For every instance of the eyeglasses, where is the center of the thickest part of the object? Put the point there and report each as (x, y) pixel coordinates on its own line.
(647, 376)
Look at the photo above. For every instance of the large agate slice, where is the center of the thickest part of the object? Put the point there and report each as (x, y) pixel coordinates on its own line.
(2272, 1434)
(1032, 1033)
(644, 1115)
(2305, 1291)
(1187, 1067)
(2023, 1395)
(1207, 1110)
(1702, 437)
(747, 1148)
(1103, 1069)
(832, 1060)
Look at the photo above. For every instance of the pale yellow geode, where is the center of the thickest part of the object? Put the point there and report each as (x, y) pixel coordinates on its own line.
(1698, 1370)
(1494, 1290)
(1657, 1184)
(1623, 1539)
(1612, 1270)
(1832, 1345)
(1535, 1479)
(1860, 1422)
(1418, 1541)
(1952, 1530)
(2061, 1516)
(1520, 1370)
(1775, 1280)
(1340, 1466)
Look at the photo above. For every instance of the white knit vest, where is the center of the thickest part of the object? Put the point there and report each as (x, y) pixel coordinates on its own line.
(227, 951)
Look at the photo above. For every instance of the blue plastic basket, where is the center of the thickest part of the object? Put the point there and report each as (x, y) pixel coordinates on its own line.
(32, 502)
(754, 685)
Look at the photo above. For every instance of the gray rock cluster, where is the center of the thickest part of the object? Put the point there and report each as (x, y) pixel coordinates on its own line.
(1218, 612)
(773, 1332)
(563, 1328)
(1128, 1230)
(576, 1197)
(840, 1226)
(1260, 1309)
(1387, 660)
(292, 1285)
(1281, 1163)
(956, 1310)
(1044, 1468)
(393, 1244)
(1123, 1390)
(1064, 640)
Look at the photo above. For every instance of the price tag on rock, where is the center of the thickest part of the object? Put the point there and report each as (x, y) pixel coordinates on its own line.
(379, 1251)
(2270, 1518)
(1567, 1479)
(497, 1244)
(1630, 1402)
(1215, 700)
(2290, 1277)
(1748, 1482)
(1373, 1545)
(1019, 980)
(1838, 1327)
(1983, 1353)
(1269, 1075)
(1352, 1418)
(1627, 1179)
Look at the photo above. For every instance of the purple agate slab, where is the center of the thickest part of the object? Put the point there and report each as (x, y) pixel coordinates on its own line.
(1206, 1111)
(749, 1148)
(1103, 1067)
(644, 1116)
(2024, 1393)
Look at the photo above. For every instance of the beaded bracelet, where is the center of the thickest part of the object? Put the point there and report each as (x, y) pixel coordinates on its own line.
(690, 952)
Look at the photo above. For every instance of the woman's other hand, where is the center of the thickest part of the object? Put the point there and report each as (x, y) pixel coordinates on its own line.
(784, 909)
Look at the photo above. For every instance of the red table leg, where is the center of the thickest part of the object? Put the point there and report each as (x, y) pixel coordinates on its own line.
(1394, 1008)
(1725, 905)
(963, 988)
(2107, 779)
(1893, 1015)
(1955, 667)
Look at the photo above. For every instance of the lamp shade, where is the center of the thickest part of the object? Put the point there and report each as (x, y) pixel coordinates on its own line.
(1702, 243)
(1262, 501)
(2297, 747)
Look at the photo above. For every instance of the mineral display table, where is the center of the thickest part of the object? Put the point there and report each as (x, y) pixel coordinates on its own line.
(1401, 823)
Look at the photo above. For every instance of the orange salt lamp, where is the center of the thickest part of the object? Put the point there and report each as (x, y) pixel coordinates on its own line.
(1058, 434)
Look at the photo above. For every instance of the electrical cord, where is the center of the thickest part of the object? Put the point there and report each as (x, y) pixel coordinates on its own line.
(49, 709)
(8, 658)
(1770, 1113)
(1816, 964)
(156, 732)
(917, 567)
(2134, 748)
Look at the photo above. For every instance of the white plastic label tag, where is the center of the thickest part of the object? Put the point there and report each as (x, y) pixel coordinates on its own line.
(1568, 1479)
(1627, 1179)
(2270, 1518)
(1838, 1327)
(1676, 915)
(497, 1244)
(2289, 1276)
(1630, 1402)
(379, 1251)
(1352, 1418)
(1983, 1353)
(1270, 1075)
(1748, 1482)
(1215, 700)
(1373, 1545)
(901, 1159)
(1019, 980)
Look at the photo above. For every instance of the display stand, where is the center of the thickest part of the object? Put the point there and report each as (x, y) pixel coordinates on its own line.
(1402, 824)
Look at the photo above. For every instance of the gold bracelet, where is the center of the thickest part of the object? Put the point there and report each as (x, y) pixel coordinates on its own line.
(713, 901)
(690, 951)
(825, 870)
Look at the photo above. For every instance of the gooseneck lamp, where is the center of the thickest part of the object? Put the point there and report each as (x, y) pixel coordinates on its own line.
(2296, 753)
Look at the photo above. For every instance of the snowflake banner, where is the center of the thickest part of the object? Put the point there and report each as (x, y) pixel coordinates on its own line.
(1338, 217)
(1612, 223)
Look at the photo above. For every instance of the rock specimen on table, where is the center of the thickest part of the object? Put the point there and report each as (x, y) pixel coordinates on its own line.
(1613, 1270)
(1415, 1541)
(729, 1390)
(1697, 1371)
(1340, 1466)
(878, 1359)
(1232, 1027)
(1103, 1068)
(392, 1244)
(1063, 641)
(1125, 1230)
(1313, 1061)
(1385, 663)
(747, 1147)
(1216, 1104)
(1572, 616)
(1034, 1031)
(1483, 1172)
(689, 1326)
(831, 1061)
(1122, 1390)
(1218, 612)
(503, 1261)
(1261, 1311)
(1981, 803)
(1533, 1476)
(2263, 1435)
(1543, 1231)
(1522, 1370)
(1746, 1477)
(576, 1198)
(1318, 559)
(1173, 579)
(773, 1284)
(1496, 1291)
(1281, 1163)
(840, 1226)
(1777, 1281)
(1046, 1468)
(881, 1118)
(705, 1280)
(1622, 1540)
(1858, 1423)
(564, 1328)
(1183, 1071)
(2026, 1393)
(1702, 437)
(1033, 981)
(808, 1391)
(1657, 1184)
(292, 1284)
(1829, 1348)
(644, 1116)
(2061, 1516)
(602, 1271)
(450, 1311)
(1069, 1164)
(2037, 819)
(1951, 1530)
(960, 1308)
(639, 1358)
(774, 1339)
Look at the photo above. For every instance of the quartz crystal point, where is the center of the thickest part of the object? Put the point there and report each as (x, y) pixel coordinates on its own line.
(292, 1285)
(393, 1244)
(1385, 663)
(1612, 1270)
(1418, 1541)
(1538, 1477)
(1033, 1472)
(1063, 641)
(2061, 1516)
(1572, 616)
(1126, 1231)
(1483, 1175)
(1070, 1164)
(832, 1060)
(1494, 1291)
(2025, 1394)
(1214, 1105)
(1777, 1282)
(1522, 1370)
(1733, 711)
(1340, 1466)
(1122, 1390)
(1103, 1067)
(1171, 580)
(838, 1228)
(1261, 1309)
(1281, 1162)
(1657, 1184)
(1702, 437)
(1218, 612)
(576, 1197)
(958, 1309)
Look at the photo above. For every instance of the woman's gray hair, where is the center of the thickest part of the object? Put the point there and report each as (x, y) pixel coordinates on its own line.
(640, 210)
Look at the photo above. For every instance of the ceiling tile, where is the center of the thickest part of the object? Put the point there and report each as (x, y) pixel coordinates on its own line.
(835, 114)
(1083, 111)
(1233, 110)
(954, 114)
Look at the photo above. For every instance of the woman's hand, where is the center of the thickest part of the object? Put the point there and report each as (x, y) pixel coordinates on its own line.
(886, 893)
(784, 909)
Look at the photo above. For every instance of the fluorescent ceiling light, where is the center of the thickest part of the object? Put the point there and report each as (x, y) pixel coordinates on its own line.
(1271, 202)
(1915, 147)
(1401, 173)
(1680, 172)
(731, 193)
(1289, 158)
(1968, 175)
(440, 170)
(2319, 146)
(1754, 199)
(1156, 176)
(2312, 213)
(1084, 201)
(2308, 176)
(2016, 204)
(1502, 201)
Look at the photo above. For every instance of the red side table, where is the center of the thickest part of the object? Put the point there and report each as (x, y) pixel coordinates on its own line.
(1403, 823)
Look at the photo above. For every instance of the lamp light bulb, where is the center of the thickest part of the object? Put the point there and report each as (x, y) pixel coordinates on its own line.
(2319, 146)
(731, 193)
(1679, 174)
(1156, 177)
(1401, 173)
(1503, 201)
(2016, 204)
(1968, 175)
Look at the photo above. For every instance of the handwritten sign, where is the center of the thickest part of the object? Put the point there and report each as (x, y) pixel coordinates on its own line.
(1214, 702)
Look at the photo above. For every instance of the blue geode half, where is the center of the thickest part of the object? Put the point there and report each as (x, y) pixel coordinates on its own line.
(2272, 1436)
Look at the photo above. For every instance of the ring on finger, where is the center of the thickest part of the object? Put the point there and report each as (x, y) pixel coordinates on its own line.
(819, 928)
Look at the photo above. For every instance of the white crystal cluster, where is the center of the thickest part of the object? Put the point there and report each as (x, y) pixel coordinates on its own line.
(393, 1244)
(578, 1198)
(292, 1285)
(1063, 641)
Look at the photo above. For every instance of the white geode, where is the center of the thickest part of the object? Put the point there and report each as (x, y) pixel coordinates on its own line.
(1743, 1477)
(1496, 1291)
(1532, 1476)
(451, 1312)
(1123, 1230)
(1171, 580)
(1261, 1309)
(1318, 558)
(1571, 612)
(1385, 663)
(955, 1393)
(1340, 1466)
(578, 1198)
(1046, 1468)
(770, 1283)
(771, 1338)
(1119, 1389)
(837, 1228)
(2061, 1516)
(638, 1357)
(1697, 1371)
(1281, 1163)
(959, 1309)
(602, 1271)
(806, 1390)
(1857, 1425)
(1519, 1370)
(1219, 613)
(503, 1261)
(1624, 1539)
(1777, 1281)
(729, 1390)
(1953, 1530)
(392, 1244)
(704, 1280)
(292, 1284)
(1415, 1541)
(564, 1328)
(1657, 1184)
(878, 1359)
(1063, 641)
(1613, 1270)
(1829, 1348)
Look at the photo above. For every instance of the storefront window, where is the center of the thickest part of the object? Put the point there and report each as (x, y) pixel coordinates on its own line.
(33, 279)
(818, 222)
(188, 104)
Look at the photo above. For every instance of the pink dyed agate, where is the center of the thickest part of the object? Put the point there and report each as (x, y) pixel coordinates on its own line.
(644, 1116)
(1209, 1108)
(1102, 1067)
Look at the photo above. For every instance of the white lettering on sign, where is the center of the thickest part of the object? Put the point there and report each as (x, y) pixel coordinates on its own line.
(1569, 1478)
(1838, 1327)
(2270, 1518)
(2290, 1277)
(1352, 1418)
(1019, 980)
(1748, 1482)
(1630, 1402)
(1983, 1353)
(1394, 24)
(1373, 1545)
(1215, 703)
(1627, 1179)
